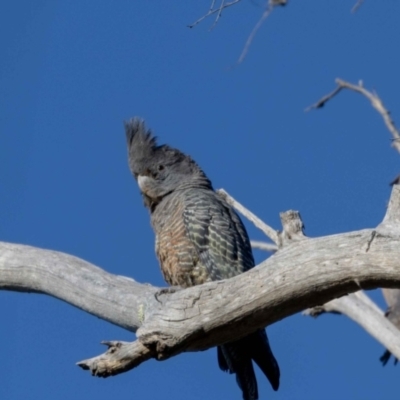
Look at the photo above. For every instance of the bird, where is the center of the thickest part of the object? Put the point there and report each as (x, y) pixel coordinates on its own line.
(392, 297)
(198, 238)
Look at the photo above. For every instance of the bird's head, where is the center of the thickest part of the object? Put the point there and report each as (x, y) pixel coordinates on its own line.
(159, 170)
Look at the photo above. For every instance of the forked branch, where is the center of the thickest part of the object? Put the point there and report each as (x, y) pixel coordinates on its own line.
(375, 100)
(270, 5)
(303, 271)
(302, 274)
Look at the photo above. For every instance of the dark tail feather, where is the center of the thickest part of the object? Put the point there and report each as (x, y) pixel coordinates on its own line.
(261, 353)
(246, 379)
(222, 361)
(233, 359)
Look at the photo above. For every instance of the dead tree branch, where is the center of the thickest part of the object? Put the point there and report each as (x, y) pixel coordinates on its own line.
(75, 281)
(255, 244)
(269, 7)
(375, 100)
(213, 10)
(302, 274)
(358, 306)
(267, 12)
(362, 310)
(120, 357)
(266, 229)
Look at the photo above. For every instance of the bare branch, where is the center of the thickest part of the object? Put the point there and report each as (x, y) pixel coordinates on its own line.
(221, 7)
(264, 246)
(339, 306)
(293, 227)
(320, 103)
(342, 261)
(120, 357)
(213, 10)
(270, 232)
(302, 274)
(212, 4)
(361, 295)
(359, 307)
(267, 12)
(376, 102)
(270, 5)
(392, 298)
(114, 298)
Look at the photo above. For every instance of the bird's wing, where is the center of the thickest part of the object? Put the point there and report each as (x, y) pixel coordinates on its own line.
(217, 234)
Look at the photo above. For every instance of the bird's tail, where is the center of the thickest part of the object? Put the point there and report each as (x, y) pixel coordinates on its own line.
(236, 358)
(232, 359)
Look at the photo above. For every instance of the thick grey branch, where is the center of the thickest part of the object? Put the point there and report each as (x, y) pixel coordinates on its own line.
(357, 306)
(300, 275)
(114, 298)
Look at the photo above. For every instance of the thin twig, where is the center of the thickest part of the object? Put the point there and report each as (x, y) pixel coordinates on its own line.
(376, 102)
(320, 103)
(264, 246)
(271, 4)
(357, 6)
(213, 10)
(218, 15)
(270, 232)
(249, 40)
(270, 7)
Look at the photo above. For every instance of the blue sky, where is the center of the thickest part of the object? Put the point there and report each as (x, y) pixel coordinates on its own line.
(71, 72)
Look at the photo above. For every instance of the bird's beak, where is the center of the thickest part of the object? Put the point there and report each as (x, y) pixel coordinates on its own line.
(144, 182)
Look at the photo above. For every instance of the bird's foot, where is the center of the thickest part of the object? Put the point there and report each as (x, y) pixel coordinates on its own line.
(385, 357)
(167, 290)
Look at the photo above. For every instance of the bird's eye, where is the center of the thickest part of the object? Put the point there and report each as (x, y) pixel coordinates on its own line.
(160, 167)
